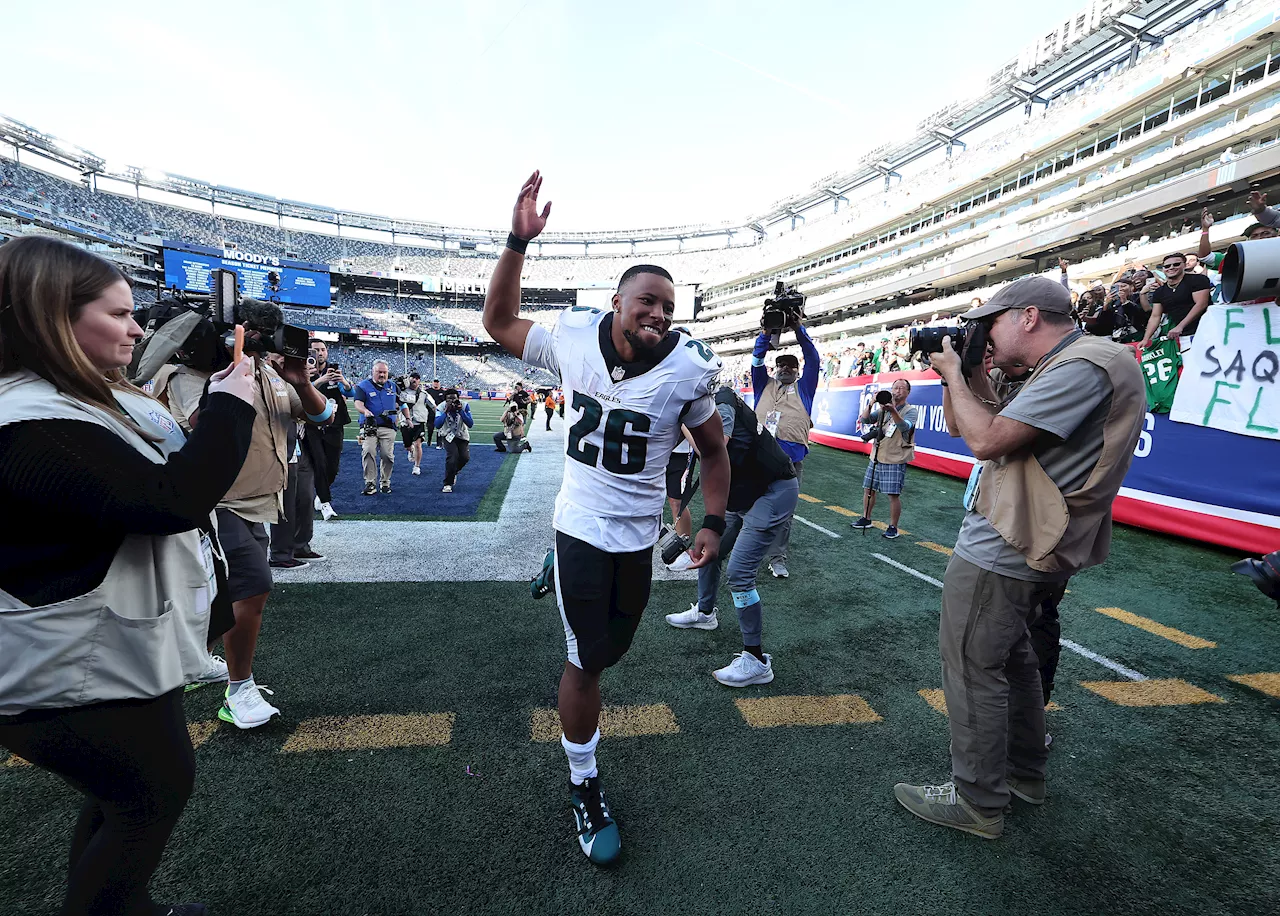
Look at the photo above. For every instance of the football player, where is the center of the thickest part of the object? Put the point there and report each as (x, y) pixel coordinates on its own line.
(629, 383)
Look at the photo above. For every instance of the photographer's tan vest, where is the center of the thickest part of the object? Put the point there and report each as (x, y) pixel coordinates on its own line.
(139, 634)
(266, 469)
(896, 449)
(1058, 531)
(794, 422)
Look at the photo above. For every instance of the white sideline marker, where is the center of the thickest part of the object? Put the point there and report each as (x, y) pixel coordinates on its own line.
(1065, 643)
(907, 569)
(828, 532)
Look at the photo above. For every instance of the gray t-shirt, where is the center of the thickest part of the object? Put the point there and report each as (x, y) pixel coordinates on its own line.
(1069, 403)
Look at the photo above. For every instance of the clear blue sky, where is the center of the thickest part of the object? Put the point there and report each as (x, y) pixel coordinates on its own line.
(639, 114)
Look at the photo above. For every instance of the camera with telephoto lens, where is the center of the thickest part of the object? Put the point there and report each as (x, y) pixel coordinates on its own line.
(673, 544)
(969, 341)
(784, 309)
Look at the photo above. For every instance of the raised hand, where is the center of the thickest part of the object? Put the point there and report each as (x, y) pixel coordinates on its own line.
(1206, 219)
(525, 222)
(1257, 201)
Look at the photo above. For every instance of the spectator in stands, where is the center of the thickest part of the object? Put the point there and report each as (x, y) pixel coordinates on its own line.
(454, 423)
(783, 404)
(1182, 298)
(254, 499)
(512, 430)
(1210, 262)
(864, 360)
(378, 403)
(330, 382)
(124, 529)
(416, 400)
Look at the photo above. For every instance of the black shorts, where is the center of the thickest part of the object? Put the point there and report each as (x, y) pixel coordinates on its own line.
(601, 597)
(677, 464)
(412, 433)
(246, 547)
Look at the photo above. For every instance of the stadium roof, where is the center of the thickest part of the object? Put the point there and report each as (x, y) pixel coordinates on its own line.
(1038, 75)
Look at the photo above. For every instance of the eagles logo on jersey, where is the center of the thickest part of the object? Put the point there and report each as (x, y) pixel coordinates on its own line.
(624, 421)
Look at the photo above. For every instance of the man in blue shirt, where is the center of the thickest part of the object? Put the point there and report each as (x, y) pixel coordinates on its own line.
(376, 399)
(783, 403)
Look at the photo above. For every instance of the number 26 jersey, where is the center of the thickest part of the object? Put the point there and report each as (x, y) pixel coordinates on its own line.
(623, 423)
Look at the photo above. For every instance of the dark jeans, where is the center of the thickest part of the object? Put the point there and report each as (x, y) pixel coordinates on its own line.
(456, 455)
(1046, 636)
(314, 454)
(133, 761)
(550, 411)
(331, 444)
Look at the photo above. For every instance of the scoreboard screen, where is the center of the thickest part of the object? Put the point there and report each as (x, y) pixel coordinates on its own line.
(190, 268)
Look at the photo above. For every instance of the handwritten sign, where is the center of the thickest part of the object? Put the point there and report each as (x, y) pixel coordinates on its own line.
(1231, 377)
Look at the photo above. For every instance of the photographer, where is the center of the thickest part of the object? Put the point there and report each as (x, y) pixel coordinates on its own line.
(1050, 463)
(454, 425)
(378, 402)
(524, 401)
(435, 395)
(256, 497)
(892, 449)
(102, 625)
(329, 380)
(421, 411)
(763, 491)
(784, 402)
(512, 431)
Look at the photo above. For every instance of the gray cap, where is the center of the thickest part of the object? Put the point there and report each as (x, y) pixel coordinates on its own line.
(1045, 294)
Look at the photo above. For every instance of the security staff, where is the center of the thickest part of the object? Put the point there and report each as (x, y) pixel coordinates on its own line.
(378, 401)
(763, 491)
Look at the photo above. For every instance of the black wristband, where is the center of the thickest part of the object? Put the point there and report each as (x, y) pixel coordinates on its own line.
(517, 244)
(714, 523)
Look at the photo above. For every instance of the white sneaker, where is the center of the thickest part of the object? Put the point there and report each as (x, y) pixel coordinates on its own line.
(745, 670)
(247, 708)
(446, 489)
(417, 471)
(1048, 741)
(694, 619)
(217, 671)
(327, 513)
(319, 505)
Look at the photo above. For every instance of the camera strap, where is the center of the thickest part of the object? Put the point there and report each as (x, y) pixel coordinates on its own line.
(687, 496)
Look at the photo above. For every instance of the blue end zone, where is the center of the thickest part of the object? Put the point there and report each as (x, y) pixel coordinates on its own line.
(416, 495)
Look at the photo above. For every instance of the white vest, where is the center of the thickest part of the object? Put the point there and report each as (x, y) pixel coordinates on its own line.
(139, 634)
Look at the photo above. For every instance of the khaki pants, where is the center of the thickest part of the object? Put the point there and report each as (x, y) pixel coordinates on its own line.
(991, 679)
(384, 443)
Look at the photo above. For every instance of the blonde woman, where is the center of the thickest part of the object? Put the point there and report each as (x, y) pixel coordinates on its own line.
(108, 586)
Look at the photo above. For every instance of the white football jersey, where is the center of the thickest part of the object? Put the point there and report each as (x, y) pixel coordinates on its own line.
(624, 421)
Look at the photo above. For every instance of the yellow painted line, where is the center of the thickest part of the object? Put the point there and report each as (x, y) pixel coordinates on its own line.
(809, 499)
(16, 761)
(1158, 629)
(1155, 692)
(843, 511)
(1267, 682)
(200, 732)
(615, 722)
(937, 699)
(883, 525)
(936, 548)
(359, 733)
(841, 709)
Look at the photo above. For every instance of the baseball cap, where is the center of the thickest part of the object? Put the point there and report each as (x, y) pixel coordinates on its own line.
(1045, 294)
(787, 359)
(415, 375)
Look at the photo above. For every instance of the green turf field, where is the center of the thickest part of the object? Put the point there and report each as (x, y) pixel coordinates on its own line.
(359, 801)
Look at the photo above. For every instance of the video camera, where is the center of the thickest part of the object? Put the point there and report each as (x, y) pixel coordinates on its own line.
(968, 340)
(1251, 270)
(785, 308)
(199, 330)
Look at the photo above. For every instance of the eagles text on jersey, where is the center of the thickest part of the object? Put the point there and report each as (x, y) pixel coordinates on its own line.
(624, 422)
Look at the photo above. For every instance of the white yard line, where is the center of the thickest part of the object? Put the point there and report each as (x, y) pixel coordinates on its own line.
(804, 521)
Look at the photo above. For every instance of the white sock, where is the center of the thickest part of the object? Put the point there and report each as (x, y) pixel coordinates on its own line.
(582, 758)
